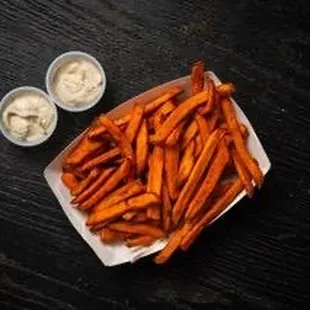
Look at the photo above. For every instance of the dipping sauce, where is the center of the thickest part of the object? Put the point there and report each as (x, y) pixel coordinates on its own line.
(28, 117)
(77, 82)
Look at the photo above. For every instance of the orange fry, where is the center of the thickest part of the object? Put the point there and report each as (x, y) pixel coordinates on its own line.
(155, 171)
(179, 113)
(210, 102)
(171, 93)
(140, 202)
(69, 179)
(171, 167)
(121, 173)
(98, 130)
(215, 210)
(196, 175)
(214, 118)
(142, 148)
(173, 243)
(153, 213)
(137, 228)
(244, 154)
(186, 164)
(100, 159)
(226, 89)
(140, 241)
(203, 127)
(154, 180)
(118, 136)
(94, 173)
(109, 236)
(243, 173)
(176, 134)
(129, 215)
(198, 145)
(189, 134)
(105, 174)
(84, 148)
(206, 188)
(166, 209)
(135, 122)
(197, 77)
(126, 191)
(140, 217)
(167, 108)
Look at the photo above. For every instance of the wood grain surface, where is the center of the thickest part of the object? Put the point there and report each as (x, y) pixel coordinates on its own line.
(258, 255)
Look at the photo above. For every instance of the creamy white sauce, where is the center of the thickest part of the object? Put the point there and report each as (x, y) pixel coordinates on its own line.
(28, 117)
(77, 82)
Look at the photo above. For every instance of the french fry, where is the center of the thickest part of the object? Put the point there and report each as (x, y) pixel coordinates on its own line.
(121, 173)
(69, 179)
(126, 191)
(189, 134)
(142, 148)
(203, 127)
(153, 213)
(206, 188)
(121, 139)
(140, 241)
(135, 122)
(243, 173)
(168, 95)
(140, 217)
(80, 187)
(84, 149)
(198, 145)
(91, 190)
(100, 159)
(186, 164)
(137, 228)
(154, 181)
(214, 118)
(216, 209)
(156, 164)
(98, 130)
(171, 166)
(181, 112)
(167, 108)
(197, 77)
(244, 154)
(196, 175)
(226, 89)
(140, 202)
(109, 236)
(172, 245)
(166, 209)
(176, 134)
(129, 215)
(155, 174)
(211, 98)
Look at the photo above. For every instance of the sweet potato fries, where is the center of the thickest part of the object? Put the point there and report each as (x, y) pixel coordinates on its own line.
(165, 170)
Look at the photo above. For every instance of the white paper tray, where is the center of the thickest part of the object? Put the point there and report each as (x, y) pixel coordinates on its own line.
(112, 255)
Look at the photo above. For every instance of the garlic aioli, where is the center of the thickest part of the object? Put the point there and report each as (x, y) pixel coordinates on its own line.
(28, 117)
(77, 82)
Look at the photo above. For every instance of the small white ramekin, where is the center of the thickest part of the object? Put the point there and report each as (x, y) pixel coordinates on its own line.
(56, 64)
(8, 98)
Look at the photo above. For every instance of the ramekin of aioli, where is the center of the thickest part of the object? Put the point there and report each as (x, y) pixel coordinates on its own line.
(75, 81)
(28, 116)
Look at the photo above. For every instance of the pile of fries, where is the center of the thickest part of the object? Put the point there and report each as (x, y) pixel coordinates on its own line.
(167, 169)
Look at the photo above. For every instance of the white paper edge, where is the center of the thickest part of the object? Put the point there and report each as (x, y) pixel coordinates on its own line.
(112, 255)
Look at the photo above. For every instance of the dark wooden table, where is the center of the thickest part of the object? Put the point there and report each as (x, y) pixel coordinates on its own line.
(258, 255)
